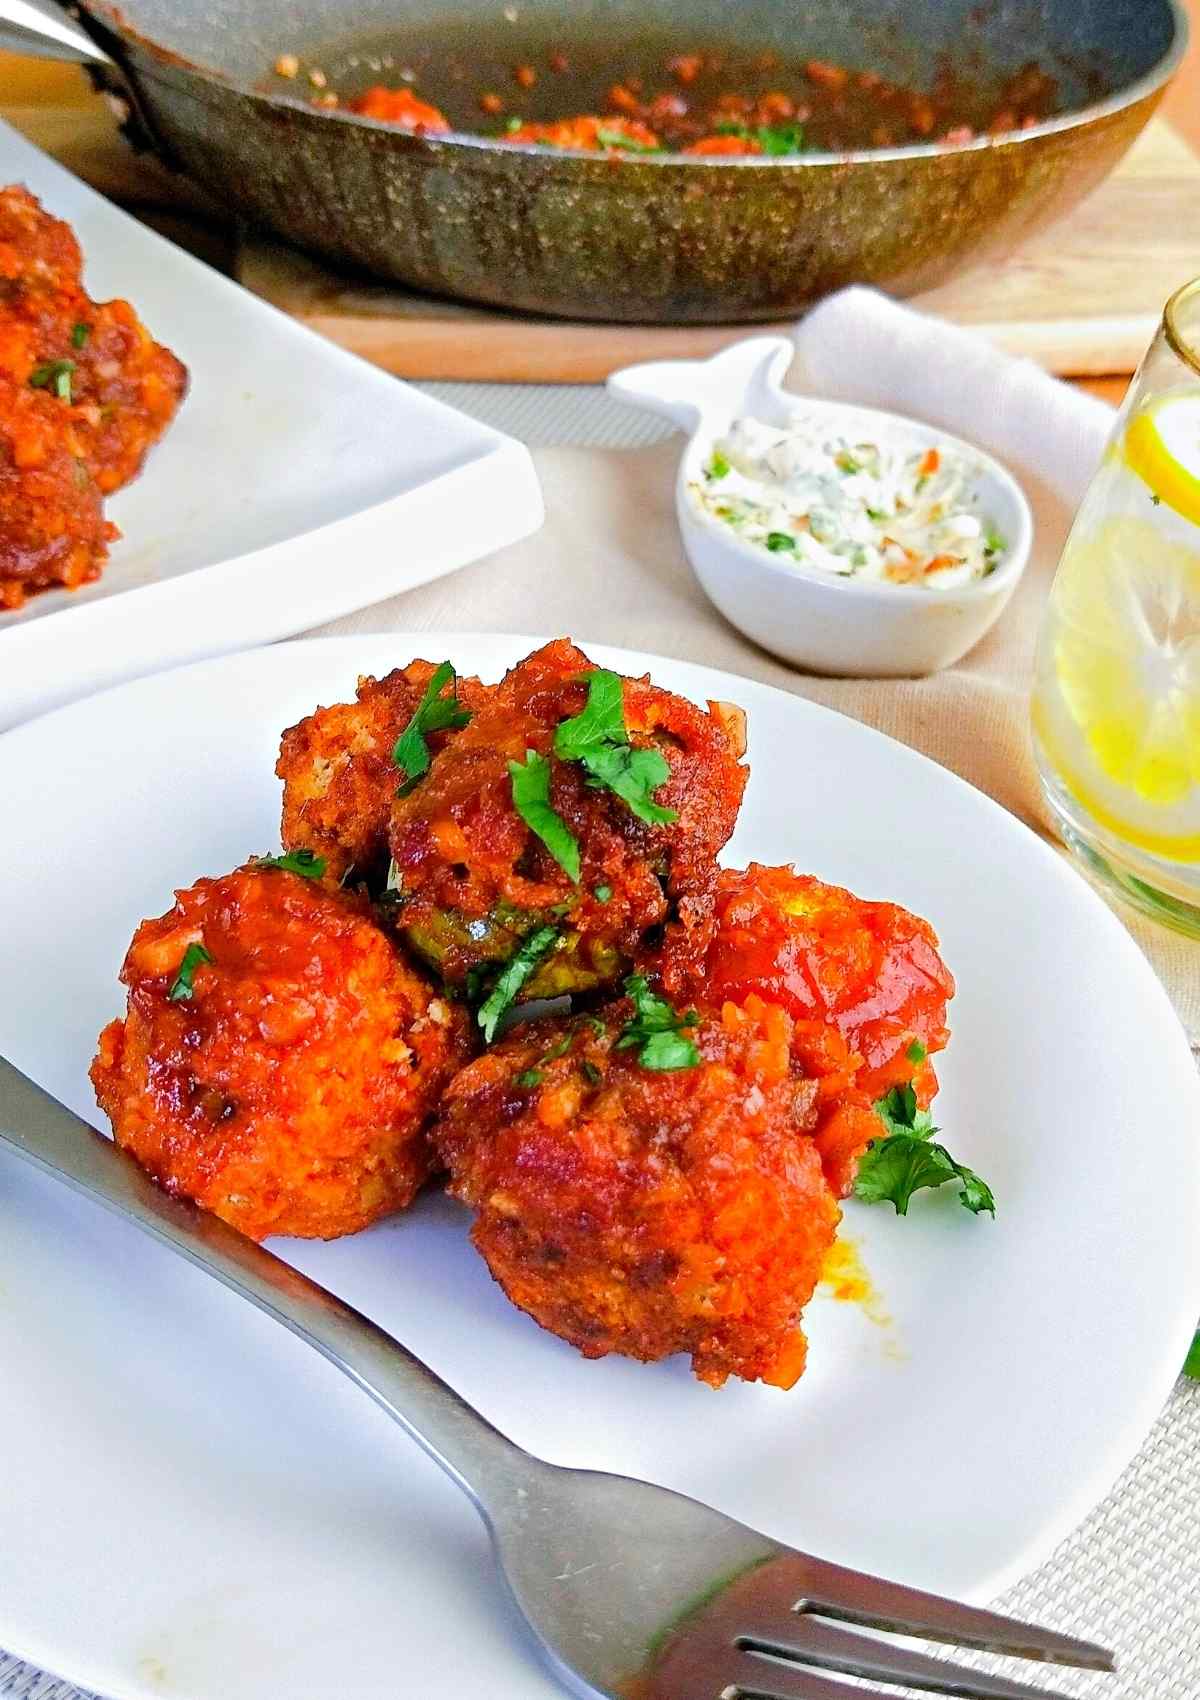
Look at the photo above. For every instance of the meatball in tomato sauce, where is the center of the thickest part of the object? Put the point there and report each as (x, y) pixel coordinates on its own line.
(864, 983)
(279, 1061)
(339, 774)
(648, 1210)
(578, 811)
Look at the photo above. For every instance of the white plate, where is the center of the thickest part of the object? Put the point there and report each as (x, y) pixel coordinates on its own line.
(196, 1505)
(296, 484)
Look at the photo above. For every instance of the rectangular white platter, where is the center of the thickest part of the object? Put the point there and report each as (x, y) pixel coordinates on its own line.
(297, 483)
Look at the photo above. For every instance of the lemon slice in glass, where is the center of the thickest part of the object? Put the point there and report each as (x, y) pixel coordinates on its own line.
(1162, 446)
(1117, 707)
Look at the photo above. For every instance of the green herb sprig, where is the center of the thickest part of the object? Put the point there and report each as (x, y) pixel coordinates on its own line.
(53, 375)
(657, 1030)
(906, 1159)
(527, 957)
(434, 713)
(598, 739)
(306, 863)
(195, 956)
(531, 799)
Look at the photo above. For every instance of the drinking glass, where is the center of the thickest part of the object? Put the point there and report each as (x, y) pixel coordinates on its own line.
(1116, 702)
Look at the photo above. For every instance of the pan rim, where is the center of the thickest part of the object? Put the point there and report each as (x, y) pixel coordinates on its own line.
(109, 15)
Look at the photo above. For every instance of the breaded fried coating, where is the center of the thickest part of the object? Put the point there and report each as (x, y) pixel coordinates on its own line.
(120, 388)
(280, 1061)
(339, 780)
(52, 526)
(475, 880)
(632, 1210)
(864, 983)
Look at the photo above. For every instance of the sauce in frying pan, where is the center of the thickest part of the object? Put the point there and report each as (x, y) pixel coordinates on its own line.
(524, 79)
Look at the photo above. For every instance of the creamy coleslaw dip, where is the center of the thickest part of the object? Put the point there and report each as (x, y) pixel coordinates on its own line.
(861, 510)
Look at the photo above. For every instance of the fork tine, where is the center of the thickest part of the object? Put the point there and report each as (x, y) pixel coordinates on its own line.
(809, 1641)
(797, 1582)
(755, 1679)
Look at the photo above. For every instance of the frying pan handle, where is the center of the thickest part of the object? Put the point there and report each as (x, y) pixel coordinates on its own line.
(46, 32)
(743, 379)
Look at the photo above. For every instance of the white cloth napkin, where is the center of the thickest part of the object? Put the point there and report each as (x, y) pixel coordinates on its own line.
(861, 346)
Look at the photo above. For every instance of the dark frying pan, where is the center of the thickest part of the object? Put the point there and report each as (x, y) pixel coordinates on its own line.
(660, 238)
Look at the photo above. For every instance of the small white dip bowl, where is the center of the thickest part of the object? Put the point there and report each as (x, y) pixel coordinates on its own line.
(815, 619)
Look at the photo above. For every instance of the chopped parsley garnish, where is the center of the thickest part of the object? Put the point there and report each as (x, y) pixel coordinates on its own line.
(519, 967)
(602, 893)
(778, 541)
(597, 738)
(195, 956)
(905, 1160)
(593, 1077)
(773, 139)
(303, 862)
(79, 334)
(916, 1052)
(846, 463)
(531, 1077)
(1191, 1364)
(994, 544)
(434, 713)
(718, 466)
(531, 799)
(657, 1030)
(609, 138)
(54, 375)
(513, 123)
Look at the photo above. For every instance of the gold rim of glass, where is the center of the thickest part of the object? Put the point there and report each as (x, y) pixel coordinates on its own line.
(1188, 351)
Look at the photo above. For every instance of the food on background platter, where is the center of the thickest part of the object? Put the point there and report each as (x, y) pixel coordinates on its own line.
(877, 512)
(644, 1209)
(574, 814)
(280, 1058)
(339, 777)
(653, 1173)
(714, 103)
(108, 392)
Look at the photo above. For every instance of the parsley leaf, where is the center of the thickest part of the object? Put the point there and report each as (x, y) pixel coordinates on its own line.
(520, 965)
(916, 1052)
(597, 738)
(54, 375)
(632, 775)
(602, 893)
(782, 138)
(195, 956)
(593, 1077)
(531, 1077)
(657, 1029)
(434, 713)
(303, 862)
(907, 1160)
(531, 799)
(1191, 1364)
(79, 334)
(612, 138)
(718, 466)
(778, 541)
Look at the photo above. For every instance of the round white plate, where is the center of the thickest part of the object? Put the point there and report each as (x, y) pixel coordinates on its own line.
(195, 1505)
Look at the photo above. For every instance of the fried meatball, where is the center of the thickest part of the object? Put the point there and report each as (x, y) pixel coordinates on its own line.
(116, 387)
(863, 981)
(52, 527)
(475, 880)
(339, 781)
(644, 1212)
(279, 1061)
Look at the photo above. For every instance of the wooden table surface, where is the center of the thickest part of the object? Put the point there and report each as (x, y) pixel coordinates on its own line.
(37, 82)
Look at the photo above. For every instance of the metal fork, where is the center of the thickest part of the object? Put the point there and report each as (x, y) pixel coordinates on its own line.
(632, 1591)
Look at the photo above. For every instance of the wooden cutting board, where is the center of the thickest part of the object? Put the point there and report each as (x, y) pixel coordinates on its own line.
(1083, 298)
